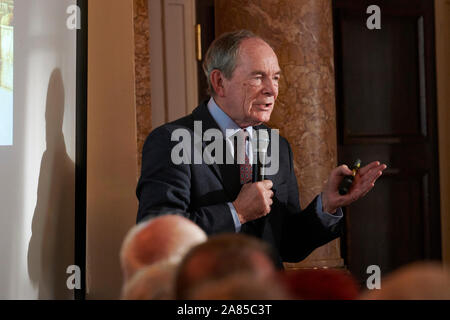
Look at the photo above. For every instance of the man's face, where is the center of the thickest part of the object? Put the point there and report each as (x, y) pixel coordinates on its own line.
(249, 95)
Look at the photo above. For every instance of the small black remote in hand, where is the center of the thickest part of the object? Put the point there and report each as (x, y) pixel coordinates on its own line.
(346, 183)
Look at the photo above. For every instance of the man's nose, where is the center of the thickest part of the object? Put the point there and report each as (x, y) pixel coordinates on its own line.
(270, 87)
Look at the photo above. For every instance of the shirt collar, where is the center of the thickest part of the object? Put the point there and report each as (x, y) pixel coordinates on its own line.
(226, 124)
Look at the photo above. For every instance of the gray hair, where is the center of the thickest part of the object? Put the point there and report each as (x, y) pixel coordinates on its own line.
(223, 53)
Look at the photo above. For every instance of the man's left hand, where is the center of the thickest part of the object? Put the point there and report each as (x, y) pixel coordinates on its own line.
(364, 181)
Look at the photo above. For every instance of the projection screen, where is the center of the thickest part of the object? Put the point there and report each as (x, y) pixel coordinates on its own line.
(37, 147)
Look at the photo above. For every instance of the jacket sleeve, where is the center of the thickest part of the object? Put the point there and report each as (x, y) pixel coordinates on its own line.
(303, 230)
(164, 187)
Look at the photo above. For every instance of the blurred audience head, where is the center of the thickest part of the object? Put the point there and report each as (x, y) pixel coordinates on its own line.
(164, 238)
(222, 256)
(154, 282)
(320, 284)
(240, 286)
(416, 281)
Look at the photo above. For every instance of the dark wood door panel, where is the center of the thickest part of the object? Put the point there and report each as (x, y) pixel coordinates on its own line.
(386, 107)
(376, 64)
(386, 228)
(399, 157)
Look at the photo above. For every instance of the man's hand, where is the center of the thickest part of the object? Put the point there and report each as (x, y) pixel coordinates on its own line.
(363, 182)
(254, 201)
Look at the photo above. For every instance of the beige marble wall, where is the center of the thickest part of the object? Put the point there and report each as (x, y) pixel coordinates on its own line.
(111, 144)
(301, 34)
(142, 74)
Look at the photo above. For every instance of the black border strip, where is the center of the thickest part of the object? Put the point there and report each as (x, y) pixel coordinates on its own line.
(81, 148)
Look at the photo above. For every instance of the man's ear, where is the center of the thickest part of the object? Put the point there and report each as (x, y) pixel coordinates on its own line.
(217, 81)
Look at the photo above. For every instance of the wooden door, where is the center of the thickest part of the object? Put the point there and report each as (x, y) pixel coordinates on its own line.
(206, 21)
(172, 60)
(386, 106)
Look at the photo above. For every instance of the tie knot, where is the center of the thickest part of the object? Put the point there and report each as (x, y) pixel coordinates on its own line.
(244, 133)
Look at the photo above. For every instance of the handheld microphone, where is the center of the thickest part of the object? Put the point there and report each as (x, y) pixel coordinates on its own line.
(263, 145)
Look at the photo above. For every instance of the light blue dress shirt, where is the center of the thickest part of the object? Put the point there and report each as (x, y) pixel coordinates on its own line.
(229, 128)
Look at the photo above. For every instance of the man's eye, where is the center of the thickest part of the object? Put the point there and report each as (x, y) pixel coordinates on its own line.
(256, 79)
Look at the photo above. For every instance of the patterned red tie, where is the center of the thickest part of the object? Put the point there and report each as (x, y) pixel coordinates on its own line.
(245, 169)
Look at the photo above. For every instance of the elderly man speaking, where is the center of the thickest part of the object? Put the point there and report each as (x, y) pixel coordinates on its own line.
(243, 76)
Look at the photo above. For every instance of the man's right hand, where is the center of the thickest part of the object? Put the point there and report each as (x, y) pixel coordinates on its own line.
(254, 201)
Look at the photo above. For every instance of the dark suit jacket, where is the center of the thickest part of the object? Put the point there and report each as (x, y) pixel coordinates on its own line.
(200, 192)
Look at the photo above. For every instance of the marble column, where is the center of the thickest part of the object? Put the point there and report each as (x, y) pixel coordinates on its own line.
(142, 75)
(302, 36)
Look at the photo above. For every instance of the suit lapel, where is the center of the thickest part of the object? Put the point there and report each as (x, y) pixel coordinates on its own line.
(228, 174)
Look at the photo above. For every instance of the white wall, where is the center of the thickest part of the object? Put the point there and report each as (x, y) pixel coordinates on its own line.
(37, 172)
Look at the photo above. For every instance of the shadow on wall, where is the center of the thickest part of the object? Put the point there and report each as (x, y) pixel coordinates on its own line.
(51, 247)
